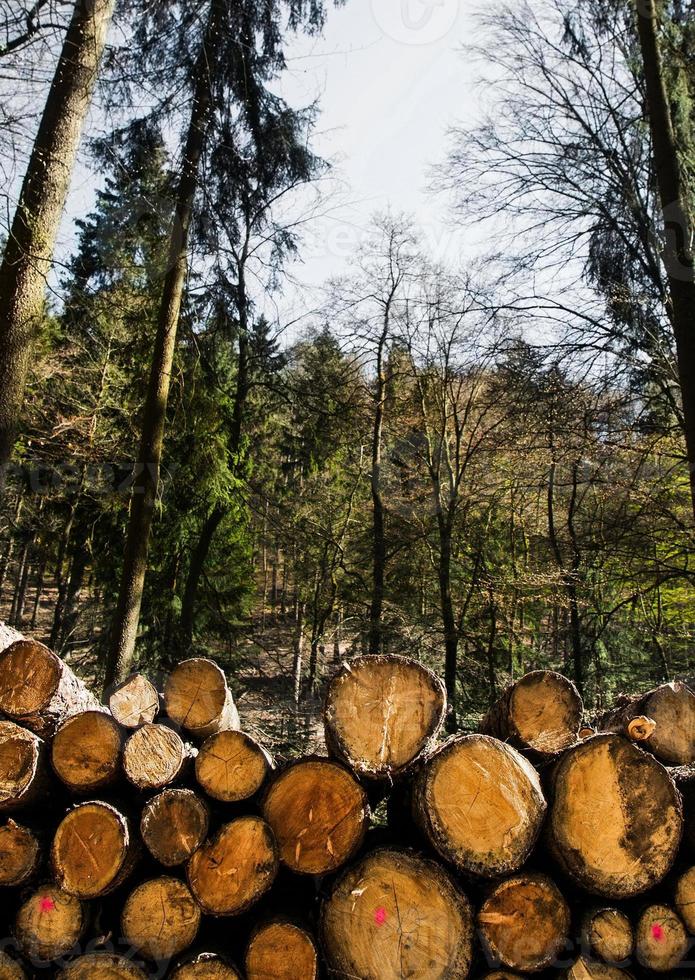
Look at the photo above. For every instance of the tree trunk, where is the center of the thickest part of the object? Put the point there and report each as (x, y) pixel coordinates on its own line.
(146, 473)
(40, 578)
(678, 230)
(378, 518)
(451, 636)
(31, 241)
(195, 570)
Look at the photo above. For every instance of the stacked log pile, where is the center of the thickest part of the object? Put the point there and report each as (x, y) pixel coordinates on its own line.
(151, 836)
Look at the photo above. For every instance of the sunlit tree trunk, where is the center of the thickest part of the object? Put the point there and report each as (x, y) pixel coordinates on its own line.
(146, 475)
(31, 241)
(678, 227)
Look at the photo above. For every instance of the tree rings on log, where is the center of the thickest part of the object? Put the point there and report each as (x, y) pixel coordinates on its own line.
(22, 766)
(382, 713)
(319, 814)
(173, 825)
(160, 918)
(231, 766)
(86, 751)
(9, 968)
(154, 757)
(281, 951)
(197, 697)
(542, 711)
(234, 870)
(586, 969)
(38, 689)
(607, 933)
(480, 804)
(671, 710)
(205, 966)
(397, 915)
(19, 854)
(102, 966)
(524, 922)
(135, 702)
(685, 899)
(661, 941)
(93, 850)
(616, 817)
(49, 923)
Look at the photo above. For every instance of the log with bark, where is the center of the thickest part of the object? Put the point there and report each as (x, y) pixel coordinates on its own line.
(20, 853)
(94, 850)
(49, 923)
(394, 914)
(480, 805)
(661, 940)
(671, 708)
(38, 690)
(319, 815)
(23, 768)
(230, 873)
(541, 712)
(615, 821)
(382, 713)
(281, 950)
(524, 922)
(197, 697)
(160, 918)
(135, 702)
(607, 934)
(173, 825)
(232, 767)
(155, 756)
(86, 751)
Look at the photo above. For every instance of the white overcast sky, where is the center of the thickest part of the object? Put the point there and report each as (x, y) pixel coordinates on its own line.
(389, 77)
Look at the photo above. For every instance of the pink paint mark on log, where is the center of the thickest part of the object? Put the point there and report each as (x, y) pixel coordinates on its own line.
(47, 905)
(657, 932)
(380, 916)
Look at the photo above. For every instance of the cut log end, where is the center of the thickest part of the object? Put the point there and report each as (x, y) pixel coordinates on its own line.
(9, 968)
(586, 969)
(542, 712)
(234, 870)
(661, 940)
(154, 756)
(135, 702)
(196, 696)
(616, 818)
(21, 766)
(397, 915)
(29, 678)
(672, 707)
(102, 966)
(480, 804)
(173, 825)
(524, 922)
(607, 933)
(19, 854)
(281, 951)
(205, 966)
(231, 766)
(91, 850)
(382, 713)
(685, 899)
(49, 924)
(640, 728)
(319, 814)
(86, 751)
(160, 918)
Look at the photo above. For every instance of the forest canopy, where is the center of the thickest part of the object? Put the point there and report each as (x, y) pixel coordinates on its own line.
(487, 463)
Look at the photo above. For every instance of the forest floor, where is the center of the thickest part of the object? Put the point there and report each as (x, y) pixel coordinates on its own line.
(258, 661)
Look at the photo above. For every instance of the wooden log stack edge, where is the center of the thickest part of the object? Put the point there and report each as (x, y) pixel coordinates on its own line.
(152, 836)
